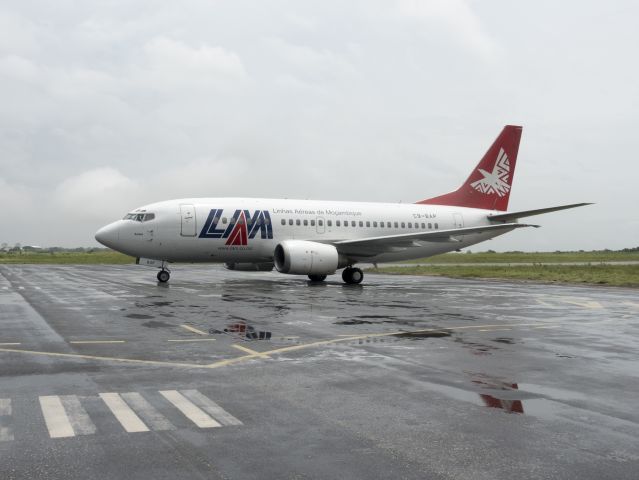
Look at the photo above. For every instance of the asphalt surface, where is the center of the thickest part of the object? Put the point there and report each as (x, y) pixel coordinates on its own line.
(106, 374)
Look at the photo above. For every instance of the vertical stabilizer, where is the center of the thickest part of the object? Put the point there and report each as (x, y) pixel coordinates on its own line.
(489, 185)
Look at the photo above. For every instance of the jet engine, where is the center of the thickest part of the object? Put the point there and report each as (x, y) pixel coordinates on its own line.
(250, 267)
(301, 257)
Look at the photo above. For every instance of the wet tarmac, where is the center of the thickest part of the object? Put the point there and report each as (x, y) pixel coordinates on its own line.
(253, 375)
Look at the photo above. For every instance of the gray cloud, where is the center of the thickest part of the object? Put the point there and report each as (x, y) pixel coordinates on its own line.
(107, 106)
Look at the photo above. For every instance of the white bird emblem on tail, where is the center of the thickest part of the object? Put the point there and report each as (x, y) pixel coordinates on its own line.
(497, 180)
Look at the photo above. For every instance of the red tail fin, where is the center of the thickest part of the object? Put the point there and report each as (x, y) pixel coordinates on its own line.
(489, 185)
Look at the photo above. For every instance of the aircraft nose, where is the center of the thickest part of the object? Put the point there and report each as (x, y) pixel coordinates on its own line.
(108, 235)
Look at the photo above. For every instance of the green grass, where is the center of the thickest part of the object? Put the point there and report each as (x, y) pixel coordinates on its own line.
(532, 257)
(614, 275)
(95, 257)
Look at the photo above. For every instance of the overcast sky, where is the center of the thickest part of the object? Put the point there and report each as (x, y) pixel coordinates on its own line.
(109, 105)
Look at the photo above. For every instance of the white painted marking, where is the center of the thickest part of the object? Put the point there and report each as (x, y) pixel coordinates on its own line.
(212, 408)
(55, 417)
(78, 417)
(148, 412)
(6, 434)
(10, 343)
(5, 288)
(20, 287)
(189, 409)
(127, 417)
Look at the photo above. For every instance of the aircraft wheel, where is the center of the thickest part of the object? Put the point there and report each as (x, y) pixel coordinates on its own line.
(352, 275)
(163, 276)
(317, 278)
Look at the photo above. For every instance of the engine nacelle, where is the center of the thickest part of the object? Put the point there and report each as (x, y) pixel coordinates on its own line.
(301, 257)
(250, 267)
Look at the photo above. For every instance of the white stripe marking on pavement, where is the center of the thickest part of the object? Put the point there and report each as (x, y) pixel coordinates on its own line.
(78, 417)
(5, 411)
(55, 417)
(189, 409)
(127, 417)
(148, 412)
(212, 408)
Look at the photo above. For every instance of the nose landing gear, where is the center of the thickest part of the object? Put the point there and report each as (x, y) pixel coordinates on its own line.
(164, 275)
(352, 275)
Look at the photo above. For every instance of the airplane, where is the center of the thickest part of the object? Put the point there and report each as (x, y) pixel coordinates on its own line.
(317, 238)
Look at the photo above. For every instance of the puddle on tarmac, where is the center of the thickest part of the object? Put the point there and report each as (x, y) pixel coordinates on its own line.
(156, 324)
(423, 334)
(353, 322)
(242, 330)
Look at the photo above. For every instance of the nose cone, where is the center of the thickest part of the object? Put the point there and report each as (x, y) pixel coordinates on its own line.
(108, 236)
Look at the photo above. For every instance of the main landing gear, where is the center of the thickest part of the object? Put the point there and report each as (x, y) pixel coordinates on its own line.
(164, 275)
(352, 275)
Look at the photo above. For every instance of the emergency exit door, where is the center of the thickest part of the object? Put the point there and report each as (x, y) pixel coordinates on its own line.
(187, 212)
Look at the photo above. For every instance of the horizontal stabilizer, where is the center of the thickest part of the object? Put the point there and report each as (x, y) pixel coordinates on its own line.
(510, 216)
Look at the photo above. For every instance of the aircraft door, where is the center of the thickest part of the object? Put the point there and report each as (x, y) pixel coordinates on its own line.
(458, 220)
(187, 214)
(320, 225)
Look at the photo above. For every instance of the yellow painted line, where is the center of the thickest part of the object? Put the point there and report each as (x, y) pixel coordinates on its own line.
(494, 329)
(248, 350)
(10, 344)
(96, 341)
(192, 340)
(108, 359)
(348, 335)
(194, 330)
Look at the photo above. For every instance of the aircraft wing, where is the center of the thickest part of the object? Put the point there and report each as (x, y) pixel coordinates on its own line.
(364, 247)
(510, 216)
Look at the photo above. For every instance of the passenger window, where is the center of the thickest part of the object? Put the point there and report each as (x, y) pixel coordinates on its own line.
(267, 221)
(312, 223)
(283, 221)
(396, 225)
(381, 224)
(403, 225)
(297, 222)
(306, 223)
(290, 221)
(423, 226)
(337, 223)
(224, 220)
(329, 223)
(320, 223)
(410, 224)
(353, 223)
(361, 224)
(346, 223)
(436, 226)
(430, 225)
(368, 224)
(240, 220)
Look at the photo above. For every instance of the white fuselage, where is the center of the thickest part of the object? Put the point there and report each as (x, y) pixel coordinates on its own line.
(203, 229)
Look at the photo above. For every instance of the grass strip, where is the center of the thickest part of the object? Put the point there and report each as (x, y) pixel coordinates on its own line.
(70, 258)
(614, 275)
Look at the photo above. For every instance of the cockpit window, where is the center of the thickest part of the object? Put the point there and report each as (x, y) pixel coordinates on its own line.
(139, 217)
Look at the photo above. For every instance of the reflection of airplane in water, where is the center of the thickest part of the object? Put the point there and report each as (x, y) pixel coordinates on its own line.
(509, 405)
